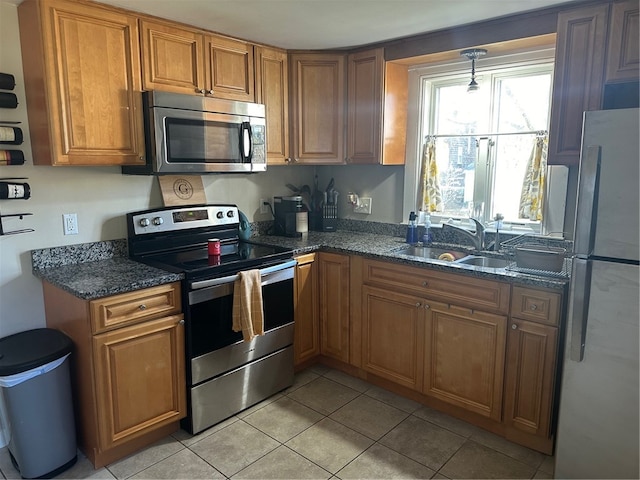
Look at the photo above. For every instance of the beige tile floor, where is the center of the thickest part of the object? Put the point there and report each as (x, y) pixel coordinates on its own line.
(327, 425)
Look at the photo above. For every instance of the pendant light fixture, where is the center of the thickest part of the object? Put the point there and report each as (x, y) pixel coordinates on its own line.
(473, 54)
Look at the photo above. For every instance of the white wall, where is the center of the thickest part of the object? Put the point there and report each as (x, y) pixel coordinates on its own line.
(102, 195)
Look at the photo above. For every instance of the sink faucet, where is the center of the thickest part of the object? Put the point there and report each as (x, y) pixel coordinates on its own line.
(477, 237)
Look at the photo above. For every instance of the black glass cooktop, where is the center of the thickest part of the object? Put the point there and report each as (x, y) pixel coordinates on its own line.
(197, 263)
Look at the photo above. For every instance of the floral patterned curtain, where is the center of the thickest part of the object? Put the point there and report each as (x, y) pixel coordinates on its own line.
(533, 186)
(429, 193)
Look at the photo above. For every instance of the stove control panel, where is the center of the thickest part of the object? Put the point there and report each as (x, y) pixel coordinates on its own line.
(183, 218)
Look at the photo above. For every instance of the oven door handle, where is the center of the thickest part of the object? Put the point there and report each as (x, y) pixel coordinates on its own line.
(232, 278)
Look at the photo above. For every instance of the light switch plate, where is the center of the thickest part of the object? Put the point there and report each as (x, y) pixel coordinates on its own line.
(364, 206)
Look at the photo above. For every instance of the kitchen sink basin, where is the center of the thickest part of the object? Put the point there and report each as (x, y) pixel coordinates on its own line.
(429, 252)
(479, 261)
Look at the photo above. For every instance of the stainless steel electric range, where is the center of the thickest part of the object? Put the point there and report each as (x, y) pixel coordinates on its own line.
(224, 374)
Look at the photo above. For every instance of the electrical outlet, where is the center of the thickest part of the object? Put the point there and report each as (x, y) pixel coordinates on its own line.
(70, 223)
(364, 206)
(263, 208)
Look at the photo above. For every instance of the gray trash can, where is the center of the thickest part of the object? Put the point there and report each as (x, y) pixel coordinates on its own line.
(36, 391)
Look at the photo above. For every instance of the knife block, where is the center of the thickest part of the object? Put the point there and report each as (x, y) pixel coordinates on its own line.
(325, 220)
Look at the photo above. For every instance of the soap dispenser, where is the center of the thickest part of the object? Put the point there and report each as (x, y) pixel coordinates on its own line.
(427, 238)
(412, 229)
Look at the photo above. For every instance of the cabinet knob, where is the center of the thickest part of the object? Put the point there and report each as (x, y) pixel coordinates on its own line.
(533, 307)
(201, 90)
(210, 92)
(427, 306)
(418, 304)
(142, 306)
(425, 284)
(181, 322)
(514, 326)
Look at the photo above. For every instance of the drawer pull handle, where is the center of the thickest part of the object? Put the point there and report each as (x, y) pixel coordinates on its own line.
(142, 306)
(534, 307)
(514, 326)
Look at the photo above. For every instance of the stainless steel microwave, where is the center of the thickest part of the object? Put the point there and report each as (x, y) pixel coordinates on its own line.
(194, 134)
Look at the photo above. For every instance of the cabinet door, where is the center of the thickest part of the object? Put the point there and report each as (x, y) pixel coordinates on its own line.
(578, 78)
(91, 110)
(172, 58)
(623, 57)
(139, 379)
(393, 336)
(272, 89)
(229, 68)
(364, 113)
(333, 275)
(464, 351)
(531, 360)
(306, 343)
(318, 105)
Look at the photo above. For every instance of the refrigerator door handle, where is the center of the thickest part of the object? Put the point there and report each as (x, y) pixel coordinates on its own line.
(579, 306)
(587, 201)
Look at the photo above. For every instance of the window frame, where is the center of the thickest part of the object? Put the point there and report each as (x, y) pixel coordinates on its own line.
(430, 74)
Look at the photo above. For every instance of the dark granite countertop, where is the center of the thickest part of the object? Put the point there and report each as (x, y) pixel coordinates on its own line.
(385, 247)
(95, 270)
(100, 269)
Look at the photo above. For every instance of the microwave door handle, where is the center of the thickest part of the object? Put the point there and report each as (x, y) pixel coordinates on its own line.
(246, 147)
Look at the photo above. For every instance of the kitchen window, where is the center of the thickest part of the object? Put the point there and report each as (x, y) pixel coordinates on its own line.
(483, 140)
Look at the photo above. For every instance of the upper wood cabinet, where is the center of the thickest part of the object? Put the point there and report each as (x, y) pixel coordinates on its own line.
(623, 57)
(184, 60)
(376, 109)
(229, 68)
(318, 107)
(578, 78)
(82, 80)
(333, 276)
(272, 89)
(172, 58)
(595, 45)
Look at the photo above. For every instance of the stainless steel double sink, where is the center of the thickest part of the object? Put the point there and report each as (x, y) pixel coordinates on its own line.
(452, 255)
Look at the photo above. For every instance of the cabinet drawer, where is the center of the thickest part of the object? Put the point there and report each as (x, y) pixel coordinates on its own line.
(129, 308)
(536, 305)
(452, 288)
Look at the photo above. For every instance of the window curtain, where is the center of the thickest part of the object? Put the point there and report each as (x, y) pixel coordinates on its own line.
(429, 193)
(533, 185)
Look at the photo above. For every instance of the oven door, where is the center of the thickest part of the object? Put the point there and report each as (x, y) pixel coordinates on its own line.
(212, 346)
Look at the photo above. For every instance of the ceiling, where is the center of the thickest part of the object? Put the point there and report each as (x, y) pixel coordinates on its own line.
(326, 24)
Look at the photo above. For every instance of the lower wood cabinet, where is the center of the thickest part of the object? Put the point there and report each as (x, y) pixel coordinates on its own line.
(128, 371)
(464, 361)
(476, 348)
(306, 341)
(333, 272)
(139, 373)
(532, 360)
(393, 336)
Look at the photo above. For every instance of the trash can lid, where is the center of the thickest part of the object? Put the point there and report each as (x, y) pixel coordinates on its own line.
(29, 349)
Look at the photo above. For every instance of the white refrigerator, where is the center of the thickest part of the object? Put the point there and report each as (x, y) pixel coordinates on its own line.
(597, 432)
